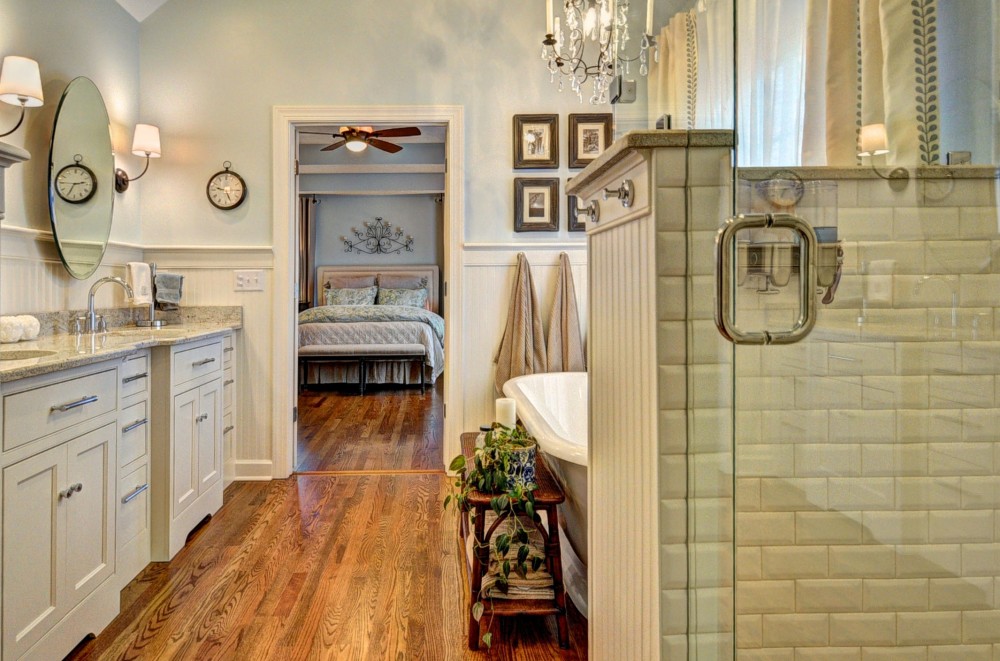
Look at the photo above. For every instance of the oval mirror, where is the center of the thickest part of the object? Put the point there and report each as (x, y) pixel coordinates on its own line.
(81, 178)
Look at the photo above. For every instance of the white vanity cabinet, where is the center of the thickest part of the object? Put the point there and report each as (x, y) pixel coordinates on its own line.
(59, 517)
(187, 441)
(133, 486)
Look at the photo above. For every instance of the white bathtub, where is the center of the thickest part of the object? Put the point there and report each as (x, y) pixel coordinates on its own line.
(553, 407)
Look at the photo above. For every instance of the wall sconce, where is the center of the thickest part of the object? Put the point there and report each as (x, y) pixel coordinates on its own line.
(145, 142)
(20, 85)
(875, 142)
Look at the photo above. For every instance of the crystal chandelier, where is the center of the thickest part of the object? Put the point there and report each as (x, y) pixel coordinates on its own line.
(603, 25)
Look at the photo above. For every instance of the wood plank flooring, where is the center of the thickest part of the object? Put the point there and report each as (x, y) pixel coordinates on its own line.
(348, 566)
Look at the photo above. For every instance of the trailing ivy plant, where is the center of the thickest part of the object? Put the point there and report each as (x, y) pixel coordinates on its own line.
(489, 473)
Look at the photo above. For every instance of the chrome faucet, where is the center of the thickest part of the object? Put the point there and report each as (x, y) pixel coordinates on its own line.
(91, 317)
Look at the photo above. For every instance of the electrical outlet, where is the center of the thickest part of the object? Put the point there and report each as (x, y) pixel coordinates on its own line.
(249, 280)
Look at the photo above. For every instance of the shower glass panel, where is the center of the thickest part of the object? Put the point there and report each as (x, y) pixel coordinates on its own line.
(844, 490)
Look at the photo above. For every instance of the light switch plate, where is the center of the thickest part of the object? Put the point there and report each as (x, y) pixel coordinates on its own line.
(249, 280)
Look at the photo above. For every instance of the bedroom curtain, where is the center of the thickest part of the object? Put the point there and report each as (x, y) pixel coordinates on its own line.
(811, 72)
(307, 238)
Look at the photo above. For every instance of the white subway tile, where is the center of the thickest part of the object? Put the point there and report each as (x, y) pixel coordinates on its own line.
(865, 224)
(770, 654)
(766, 392)
(799, 630)
(857, 426)
(673, 522)
(673, 431)
(671, 342)
(748, 426)
(672, 204)
(779, 562)
(671, 168)
(674, 646)
(938, 426)
(747, 494)
(872, 561)
(863, 629)
(828, 459)
(792, 494)
(979, 290)
(980, 357)
(828, 527)
(960, 458)
(955, 594)
(765, 597)
(894, 654)
(671, 388)
(827, 392)
(711, 386)
(959, 193)
(861, 493)
(749, 631)
(671, 253)
(895, 392)
(967, 391)
(895, 527)
(828, 654)
(674, 561)
(888, 595)
(674, 607)
(907, 256)
(765, 460)
(714, 600)
(800, 359)
(757, 528)
(981, 626)
(880, 193)
(795, 426)
(980, 492)
(713, 646)
(981, 560)
(936, 628)
(922, 223)
(914, 291)
(673, 477)
(928, 357)
(748, 563)
(861, 359)
(709, 347)
(713, 520)
(978, 222)
(964, 527)
(708, 166)
(708, 206)
(928, 493)
(957, 257)
(748, 360)
(928, 560)
(671, 294)
(703, 249)
(712, 430)
(828, 595)
(900, 459)
(713, 475)
(959, 653)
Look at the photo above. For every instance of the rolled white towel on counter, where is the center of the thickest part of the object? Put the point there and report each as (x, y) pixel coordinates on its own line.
(137, 274)
(30, 326)
(10, 330)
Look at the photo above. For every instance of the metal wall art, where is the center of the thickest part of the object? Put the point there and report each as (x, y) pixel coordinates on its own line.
(378, 237)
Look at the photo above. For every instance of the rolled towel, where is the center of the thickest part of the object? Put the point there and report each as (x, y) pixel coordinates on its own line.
(30, 326)
(168, 290)
(10, 330)
(137, 276)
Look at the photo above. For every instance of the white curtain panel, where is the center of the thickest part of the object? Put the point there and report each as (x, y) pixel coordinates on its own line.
(714, 28)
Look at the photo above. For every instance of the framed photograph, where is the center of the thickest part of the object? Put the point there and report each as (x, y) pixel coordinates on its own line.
(536, 142)
(589, 136)
(572, 214)
(536, 205)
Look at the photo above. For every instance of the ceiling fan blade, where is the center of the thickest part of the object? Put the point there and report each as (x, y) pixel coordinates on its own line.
(383, 145)
(336, 145)
(332, 135)
(401, 132)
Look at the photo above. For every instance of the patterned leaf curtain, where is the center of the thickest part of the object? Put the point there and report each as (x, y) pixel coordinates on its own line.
(307, 259)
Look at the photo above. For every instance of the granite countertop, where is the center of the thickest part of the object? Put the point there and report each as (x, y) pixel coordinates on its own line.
(72, 350)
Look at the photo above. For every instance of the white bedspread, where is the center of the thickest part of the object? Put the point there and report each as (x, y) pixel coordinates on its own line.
(377, 332)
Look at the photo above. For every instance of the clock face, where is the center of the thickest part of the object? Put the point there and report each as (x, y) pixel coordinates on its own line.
(226, 190)
(76, 183)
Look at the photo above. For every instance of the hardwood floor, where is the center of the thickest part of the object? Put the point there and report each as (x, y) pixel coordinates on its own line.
(344, 566)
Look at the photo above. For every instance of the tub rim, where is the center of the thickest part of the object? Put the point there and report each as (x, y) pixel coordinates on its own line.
(550, 441)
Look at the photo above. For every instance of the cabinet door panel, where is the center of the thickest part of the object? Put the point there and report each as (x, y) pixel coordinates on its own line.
(185, 451)
(34, 536)
(90, 512)
(210, 435)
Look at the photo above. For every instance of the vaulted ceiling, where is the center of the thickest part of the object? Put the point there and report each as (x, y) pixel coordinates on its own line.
(140, 9)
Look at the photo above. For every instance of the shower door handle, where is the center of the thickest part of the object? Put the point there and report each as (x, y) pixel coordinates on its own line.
(726, 285)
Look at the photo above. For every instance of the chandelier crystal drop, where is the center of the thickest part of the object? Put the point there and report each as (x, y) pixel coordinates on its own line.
(595, 29)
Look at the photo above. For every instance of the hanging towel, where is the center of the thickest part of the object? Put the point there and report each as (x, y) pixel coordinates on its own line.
(168, 289)
(138, 278)
(565, 345)
(522, 348)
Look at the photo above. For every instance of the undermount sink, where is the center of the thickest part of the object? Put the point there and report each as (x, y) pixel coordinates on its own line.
(154, 332)
(24, 354)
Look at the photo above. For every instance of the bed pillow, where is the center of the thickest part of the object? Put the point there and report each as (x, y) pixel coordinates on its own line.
(394, 281)
(351, 296)
(415, 298)
(346, 281)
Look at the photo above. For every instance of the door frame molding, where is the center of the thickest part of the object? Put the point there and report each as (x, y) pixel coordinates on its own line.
(286, 120)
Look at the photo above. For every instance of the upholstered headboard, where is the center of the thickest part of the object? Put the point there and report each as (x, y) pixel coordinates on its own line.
(420, 272)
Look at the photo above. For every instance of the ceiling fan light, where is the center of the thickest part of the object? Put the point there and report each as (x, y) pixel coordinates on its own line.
(356, 144)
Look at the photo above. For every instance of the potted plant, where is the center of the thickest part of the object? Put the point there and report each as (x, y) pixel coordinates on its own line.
(504, 465)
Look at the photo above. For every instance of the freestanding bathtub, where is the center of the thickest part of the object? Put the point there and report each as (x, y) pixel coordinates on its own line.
(553, 407)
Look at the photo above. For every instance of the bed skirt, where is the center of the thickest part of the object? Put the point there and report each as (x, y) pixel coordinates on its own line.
(399, 372)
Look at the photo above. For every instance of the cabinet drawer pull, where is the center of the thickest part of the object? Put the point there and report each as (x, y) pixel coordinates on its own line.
(228, 349)
(201, 418)
(134, 493)
(205, 361)
(70, 490)
(228, 429)
(135, 425)
(62, 408)
(135, 377)
(229, 382)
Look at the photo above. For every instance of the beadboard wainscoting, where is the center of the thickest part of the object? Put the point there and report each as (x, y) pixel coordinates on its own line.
(488, 274)
(209, 280)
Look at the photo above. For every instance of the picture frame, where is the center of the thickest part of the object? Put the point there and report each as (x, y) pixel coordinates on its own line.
(589, 136)
(536, 142)
(536, 204)
(574, 223)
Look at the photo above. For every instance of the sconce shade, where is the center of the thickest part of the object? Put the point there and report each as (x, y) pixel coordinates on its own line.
(146, 141)
(20, 82)
(873, 140)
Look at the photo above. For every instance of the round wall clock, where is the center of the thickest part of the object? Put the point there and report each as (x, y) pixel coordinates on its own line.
(226, 190)
(783, 189)
(76, 183)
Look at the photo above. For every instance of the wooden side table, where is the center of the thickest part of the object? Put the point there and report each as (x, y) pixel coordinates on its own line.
(547, 496)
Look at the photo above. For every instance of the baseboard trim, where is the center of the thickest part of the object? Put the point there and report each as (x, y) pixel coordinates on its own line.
(253, 470)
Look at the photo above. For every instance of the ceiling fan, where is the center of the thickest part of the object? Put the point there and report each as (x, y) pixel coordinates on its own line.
(357, 138)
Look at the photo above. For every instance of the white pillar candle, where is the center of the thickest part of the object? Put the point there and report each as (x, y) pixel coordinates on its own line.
(649, 17)
(548, 16)
(506, 412)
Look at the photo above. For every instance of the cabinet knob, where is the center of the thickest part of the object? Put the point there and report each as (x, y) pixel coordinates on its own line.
(624, 193)
(70, 490)
(201, 418)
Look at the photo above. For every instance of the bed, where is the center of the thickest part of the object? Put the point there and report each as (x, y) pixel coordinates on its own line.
(367, 344)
